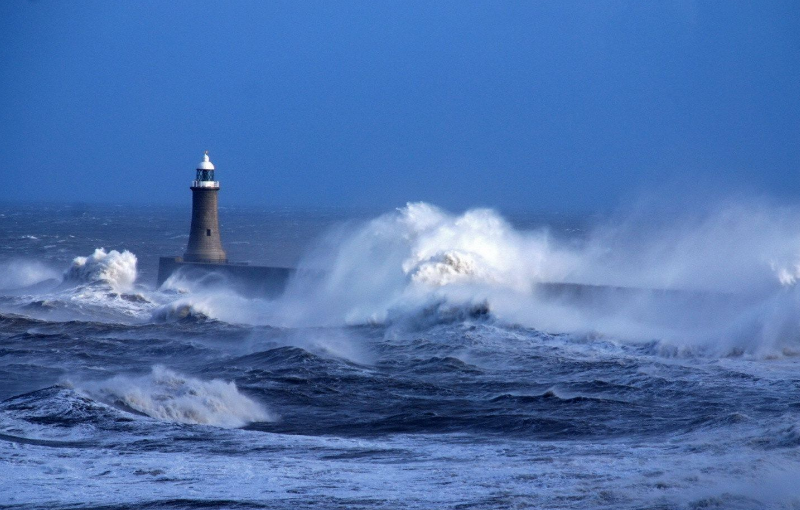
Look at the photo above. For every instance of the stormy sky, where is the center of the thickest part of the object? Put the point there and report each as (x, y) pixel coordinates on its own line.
(526, 105)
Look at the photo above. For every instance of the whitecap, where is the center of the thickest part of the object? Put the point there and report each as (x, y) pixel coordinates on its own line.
(169, 396)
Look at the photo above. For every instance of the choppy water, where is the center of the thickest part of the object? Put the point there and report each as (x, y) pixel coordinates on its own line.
(422, 371)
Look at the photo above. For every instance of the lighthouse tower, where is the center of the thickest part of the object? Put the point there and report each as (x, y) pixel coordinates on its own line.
(204, 242)
(205, 256)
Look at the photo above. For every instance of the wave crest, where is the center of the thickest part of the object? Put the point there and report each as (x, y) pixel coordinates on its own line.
(181, 309)
(169, 396)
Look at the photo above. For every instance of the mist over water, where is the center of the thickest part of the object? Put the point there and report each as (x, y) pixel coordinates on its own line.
(17, 274)
(418, 358)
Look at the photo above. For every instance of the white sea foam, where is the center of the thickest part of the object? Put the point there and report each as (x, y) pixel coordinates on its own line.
(114, 268)
(169, 396)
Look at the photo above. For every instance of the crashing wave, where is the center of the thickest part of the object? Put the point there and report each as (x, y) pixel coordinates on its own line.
(181, 309)
(448, 268)
(437, 313)
(407, 260)
(476, 247)
(98, 287)
(169, 396)
(113, 268)
(630, 281)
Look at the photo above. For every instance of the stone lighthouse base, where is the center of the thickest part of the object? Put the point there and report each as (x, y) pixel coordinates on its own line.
(257, 281)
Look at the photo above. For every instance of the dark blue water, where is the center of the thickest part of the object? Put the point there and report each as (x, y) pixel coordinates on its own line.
(406, 378)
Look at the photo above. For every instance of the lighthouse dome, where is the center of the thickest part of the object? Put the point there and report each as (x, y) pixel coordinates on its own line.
(206, 163)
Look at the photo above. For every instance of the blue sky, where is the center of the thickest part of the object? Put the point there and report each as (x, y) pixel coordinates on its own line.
(539, 105)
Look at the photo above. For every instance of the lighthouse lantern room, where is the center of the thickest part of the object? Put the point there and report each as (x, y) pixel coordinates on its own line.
(205, 174)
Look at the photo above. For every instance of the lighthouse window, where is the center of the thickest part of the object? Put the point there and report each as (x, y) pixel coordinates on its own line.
(208, 232)
(205, 175)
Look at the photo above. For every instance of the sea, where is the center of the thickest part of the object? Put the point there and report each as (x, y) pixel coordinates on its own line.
(421, 359)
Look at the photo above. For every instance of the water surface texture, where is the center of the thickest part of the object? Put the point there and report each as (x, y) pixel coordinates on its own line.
(418, 363)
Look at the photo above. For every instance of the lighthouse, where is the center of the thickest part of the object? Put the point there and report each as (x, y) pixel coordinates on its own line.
(204, 240)
(205, 257)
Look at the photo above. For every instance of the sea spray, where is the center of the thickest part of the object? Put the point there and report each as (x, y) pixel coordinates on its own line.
(216, 302)
(413, 257)
(685, 280)
(113, 268)
(17, 274)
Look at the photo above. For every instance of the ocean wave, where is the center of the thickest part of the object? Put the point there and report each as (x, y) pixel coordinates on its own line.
(181, 310)
(420, 266)
(169, 396)
(55, 413)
